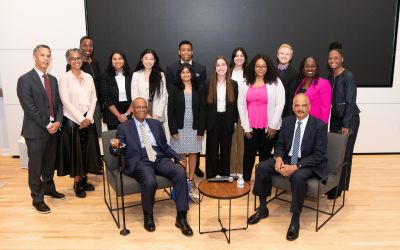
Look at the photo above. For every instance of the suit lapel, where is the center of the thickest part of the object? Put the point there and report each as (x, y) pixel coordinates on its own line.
(136, 136)
(291, 131)
(38, 82)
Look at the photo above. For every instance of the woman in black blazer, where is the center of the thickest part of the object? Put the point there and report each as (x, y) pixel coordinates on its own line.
(222, 117)
(186, 119)
(116, 90)
(345, 118)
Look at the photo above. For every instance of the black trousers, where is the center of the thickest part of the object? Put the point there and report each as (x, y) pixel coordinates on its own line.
(145, 173)
(42, 153)
(298, 181)
(258, 142)
(218, 149)
(336, 125)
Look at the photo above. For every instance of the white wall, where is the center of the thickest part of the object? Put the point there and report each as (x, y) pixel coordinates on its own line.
(60, 24)
(23, 25)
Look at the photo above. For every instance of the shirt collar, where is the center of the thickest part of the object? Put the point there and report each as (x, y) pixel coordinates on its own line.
(138, 123)
(40, 73)
(304, 121)
(190, 62)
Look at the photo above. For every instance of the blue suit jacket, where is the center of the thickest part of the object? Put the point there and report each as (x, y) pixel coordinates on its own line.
(128, 134)
(313, 145)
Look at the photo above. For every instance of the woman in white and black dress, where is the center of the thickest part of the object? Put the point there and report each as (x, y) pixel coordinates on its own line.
(186, 118)
(79, 150)
(116, 90)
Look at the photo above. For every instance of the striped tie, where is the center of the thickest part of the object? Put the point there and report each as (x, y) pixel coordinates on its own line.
(296, 144)
(149, 149)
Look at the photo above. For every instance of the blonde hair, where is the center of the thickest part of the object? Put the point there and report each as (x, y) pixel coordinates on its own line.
(285, 45)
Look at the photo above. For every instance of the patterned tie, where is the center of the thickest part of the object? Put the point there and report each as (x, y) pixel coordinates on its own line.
(296, 144)
(146, 140)
(47, 87)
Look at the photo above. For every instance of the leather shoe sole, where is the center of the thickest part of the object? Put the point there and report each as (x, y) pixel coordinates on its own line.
(255, 218)
(185, 228)
(293, 232)
(56, 195)
(41, 207)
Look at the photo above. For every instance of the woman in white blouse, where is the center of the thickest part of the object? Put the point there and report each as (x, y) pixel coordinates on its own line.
(148, 82)
(238, 69)
(79, 150)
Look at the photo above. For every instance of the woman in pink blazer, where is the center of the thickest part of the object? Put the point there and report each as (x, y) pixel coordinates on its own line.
(316, 88)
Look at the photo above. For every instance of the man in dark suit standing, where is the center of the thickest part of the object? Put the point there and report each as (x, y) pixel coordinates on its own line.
(147, 154)
(300, 154)
(186, 56)
(43, 113)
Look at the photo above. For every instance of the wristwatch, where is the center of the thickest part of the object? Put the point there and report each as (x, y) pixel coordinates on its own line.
(298, 166)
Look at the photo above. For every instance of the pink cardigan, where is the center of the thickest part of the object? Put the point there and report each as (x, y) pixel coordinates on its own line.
(320, 95)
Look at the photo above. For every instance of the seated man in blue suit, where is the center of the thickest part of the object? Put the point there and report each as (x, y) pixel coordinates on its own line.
(147, 154)
(300, 154)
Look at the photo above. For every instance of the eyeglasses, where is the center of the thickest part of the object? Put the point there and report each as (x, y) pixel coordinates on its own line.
(141, 107)
(75, 59)
(261, 66)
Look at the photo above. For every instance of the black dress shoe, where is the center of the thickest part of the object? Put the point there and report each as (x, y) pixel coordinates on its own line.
(87, 186)
(149, 223)
(293, 232)
(255, 218)
(184, 226)
(79, 190)
(55, 195)
(41, 207)
(198, 172)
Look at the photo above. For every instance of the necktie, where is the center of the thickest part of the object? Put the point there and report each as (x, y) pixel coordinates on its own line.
(147, 145)
(47, 87)
(296, 144)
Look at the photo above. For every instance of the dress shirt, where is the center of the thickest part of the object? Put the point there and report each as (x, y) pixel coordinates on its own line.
(148, 131)
(221, 97)
(120, 78)
(190, 62)
(237, 75)
(302, 128)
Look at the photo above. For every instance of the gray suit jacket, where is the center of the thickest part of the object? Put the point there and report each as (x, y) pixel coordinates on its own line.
(33, 99)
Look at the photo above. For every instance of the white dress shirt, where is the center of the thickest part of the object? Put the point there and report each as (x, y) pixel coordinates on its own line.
(120, 78)
(302, 128)
(148, 131)
(221, 97)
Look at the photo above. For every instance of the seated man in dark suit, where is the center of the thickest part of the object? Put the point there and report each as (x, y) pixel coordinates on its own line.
(186, 56)
(300, 154)
(147, 154)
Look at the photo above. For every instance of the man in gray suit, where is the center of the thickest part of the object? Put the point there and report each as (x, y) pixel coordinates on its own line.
(43, 112)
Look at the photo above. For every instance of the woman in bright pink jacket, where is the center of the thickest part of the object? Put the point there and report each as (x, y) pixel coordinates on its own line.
(316, 88)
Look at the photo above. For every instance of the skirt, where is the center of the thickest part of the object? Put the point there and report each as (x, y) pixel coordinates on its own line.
(79, 152)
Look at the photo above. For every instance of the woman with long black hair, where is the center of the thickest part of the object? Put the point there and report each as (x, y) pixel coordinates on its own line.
(148, 82)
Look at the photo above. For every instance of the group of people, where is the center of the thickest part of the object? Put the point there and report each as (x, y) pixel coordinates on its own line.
(244, 108)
